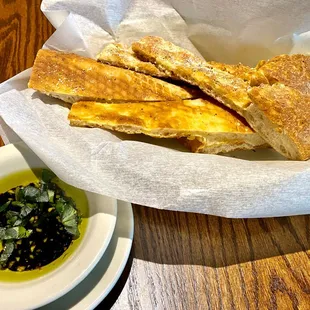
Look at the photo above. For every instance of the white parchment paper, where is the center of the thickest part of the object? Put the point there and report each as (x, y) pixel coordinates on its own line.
(159, 173)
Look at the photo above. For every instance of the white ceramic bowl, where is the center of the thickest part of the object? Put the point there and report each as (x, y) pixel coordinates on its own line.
(101, 223)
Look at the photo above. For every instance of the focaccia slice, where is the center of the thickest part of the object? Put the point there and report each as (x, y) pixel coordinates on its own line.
(217, 129)
(115, 54)
(290, 70)
(281, 115)
(221, 85)
(73, 78)
(238, 70)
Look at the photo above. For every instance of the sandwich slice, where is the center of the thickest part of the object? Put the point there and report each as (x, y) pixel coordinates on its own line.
(73, 78)
(290, 70)
(215, 82)
(203, 125)
(281, 115)
(115, 54)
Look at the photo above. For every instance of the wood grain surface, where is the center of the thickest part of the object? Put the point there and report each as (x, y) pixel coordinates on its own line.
(23, 30)
(182, 260)
(194, 261)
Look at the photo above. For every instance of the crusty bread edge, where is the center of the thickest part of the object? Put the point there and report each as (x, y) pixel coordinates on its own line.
(227, 102)
(217, 142)
(74, 98)
(220, 149)
(281, 142)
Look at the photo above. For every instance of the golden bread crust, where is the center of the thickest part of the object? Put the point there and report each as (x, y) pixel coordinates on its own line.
(219, 84)
(188, 116)
(115, 54)
(70, 75)
(237, 70)
(200, 119)
(288, 112)
(223, 144)
(290, 70)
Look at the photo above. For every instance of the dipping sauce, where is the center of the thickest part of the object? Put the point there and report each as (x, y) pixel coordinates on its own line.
(39, 222)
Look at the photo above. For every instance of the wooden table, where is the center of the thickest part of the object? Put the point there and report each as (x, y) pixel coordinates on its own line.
(180, 260)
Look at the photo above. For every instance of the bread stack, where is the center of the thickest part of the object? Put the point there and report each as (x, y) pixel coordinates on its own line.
(159, 89)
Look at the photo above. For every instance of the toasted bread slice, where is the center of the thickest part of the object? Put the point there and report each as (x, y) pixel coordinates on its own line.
(221, 85)
(238, 70)
(115, 54)
(216, 128)
(281, 115)
(290, 70)
(223, 143)
(72, 78)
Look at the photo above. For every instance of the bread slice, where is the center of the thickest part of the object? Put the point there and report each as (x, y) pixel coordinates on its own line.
(223, 143)
(115, 54)
(238, 70)
(72, 78)
(281, 115)
(221, 85)
(215, 128)
(290, 70)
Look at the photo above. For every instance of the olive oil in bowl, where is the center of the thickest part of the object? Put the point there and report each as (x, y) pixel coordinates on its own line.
(39, 247)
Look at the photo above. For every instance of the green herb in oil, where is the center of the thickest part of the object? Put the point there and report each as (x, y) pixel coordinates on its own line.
(36, 217)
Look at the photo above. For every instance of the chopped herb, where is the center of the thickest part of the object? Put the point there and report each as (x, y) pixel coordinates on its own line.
(51, 195)
(6, 253)
(17, 232)
(41, 215)
(68, 216)
(70, 220)
(26, 209)
(47, 175)
(17, 204)
(30, 193)
(18, 194)
(5, 206)
(13, 218)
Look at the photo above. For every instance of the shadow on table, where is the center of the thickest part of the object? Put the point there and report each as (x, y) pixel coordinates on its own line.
(111, 298)
(168, 237)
